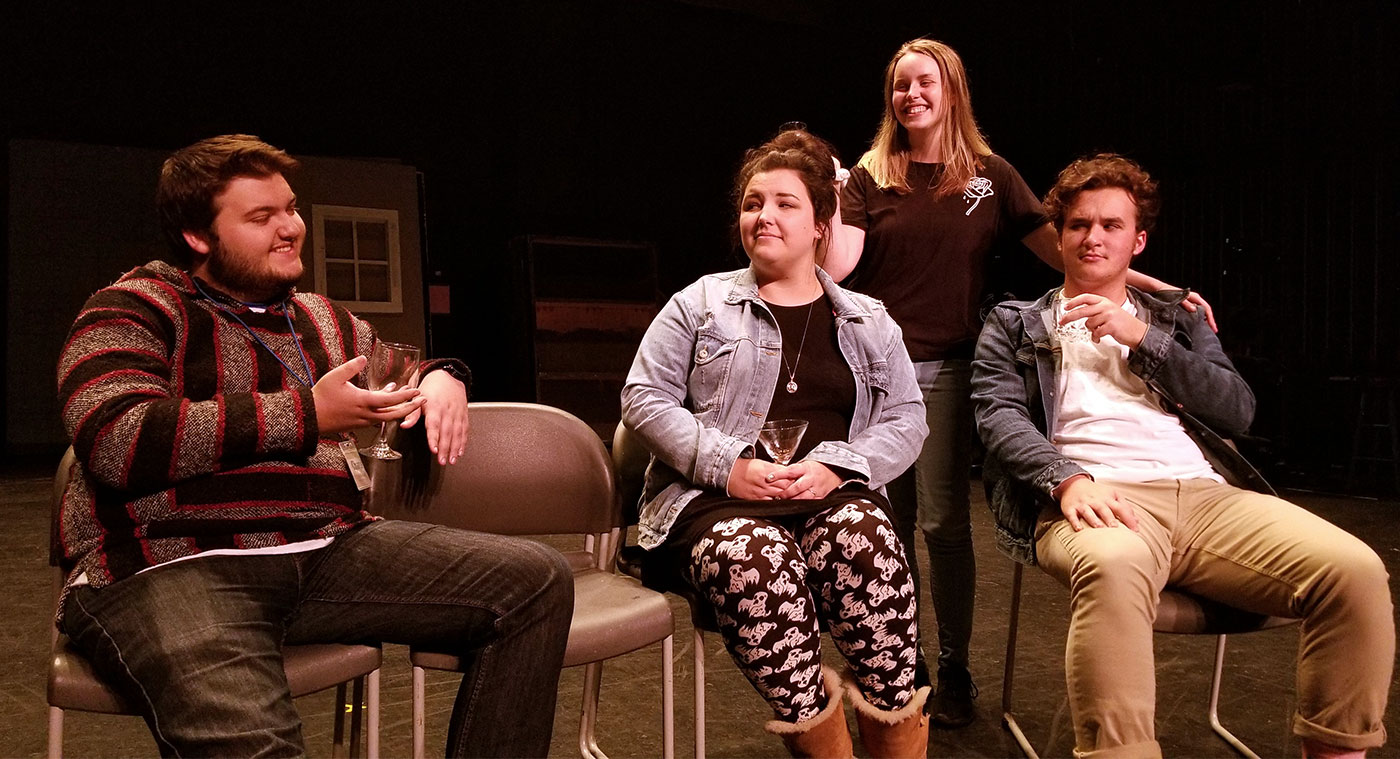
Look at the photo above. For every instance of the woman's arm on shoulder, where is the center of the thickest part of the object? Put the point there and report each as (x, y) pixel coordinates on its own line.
(1150, 284)
(847, 241)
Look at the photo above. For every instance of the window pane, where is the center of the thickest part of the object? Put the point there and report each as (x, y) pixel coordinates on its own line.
(340, 281)
(374, 240)
(338, 240)
(374, 282)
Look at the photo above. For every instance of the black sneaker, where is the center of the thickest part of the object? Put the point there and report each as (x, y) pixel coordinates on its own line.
(953, 702)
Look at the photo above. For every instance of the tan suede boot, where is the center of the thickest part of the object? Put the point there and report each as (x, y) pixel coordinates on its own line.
(824, 736)
(898, 734)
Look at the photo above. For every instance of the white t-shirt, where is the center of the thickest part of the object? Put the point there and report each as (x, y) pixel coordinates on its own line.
(297, 547)
(1109, 421)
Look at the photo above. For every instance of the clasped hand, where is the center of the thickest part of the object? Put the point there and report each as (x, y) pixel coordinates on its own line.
(440, 399)
(758, 480)
(1102, 317)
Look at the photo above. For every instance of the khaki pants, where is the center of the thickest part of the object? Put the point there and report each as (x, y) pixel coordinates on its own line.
(1252, 551)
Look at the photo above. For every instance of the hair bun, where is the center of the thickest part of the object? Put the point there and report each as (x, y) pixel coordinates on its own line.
(804, 142)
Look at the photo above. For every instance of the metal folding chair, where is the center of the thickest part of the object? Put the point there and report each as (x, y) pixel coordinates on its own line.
(73, 685)
(1178, 613)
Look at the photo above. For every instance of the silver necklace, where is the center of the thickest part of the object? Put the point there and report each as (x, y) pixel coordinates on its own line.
(792, 368)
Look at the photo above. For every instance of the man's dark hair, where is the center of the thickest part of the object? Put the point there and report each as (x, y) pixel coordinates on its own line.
(1104, 170)
(192, 177)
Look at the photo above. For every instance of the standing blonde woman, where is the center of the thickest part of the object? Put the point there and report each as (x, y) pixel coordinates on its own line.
(918, 217)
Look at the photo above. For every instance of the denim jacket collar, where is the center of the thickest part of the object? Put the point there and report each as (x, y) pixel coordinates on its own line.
(745, 288)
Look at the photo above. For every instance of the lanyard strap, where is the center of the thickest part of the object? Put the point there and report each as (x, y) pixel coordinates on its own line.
(286, 312)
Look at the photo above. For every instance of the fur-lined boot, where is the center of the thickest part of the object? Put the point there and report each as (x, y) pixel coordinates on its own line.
(898, 734)
(824, 736)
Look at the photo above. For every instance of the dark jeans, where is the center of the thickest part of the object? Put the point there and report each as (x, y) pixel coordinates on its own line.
(932, 497)
(197, 644)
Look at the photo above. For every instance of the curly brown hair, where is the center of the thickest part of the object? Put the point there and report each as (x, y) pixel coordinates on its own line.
(193, 176)
(1104, 170)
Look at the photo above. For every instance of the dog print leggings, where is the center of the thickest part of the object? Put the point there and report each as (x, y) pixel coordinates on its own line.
(768, 586)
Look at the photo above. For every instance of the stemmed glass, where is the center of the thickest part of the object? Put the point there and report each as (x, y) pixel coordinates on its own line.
(391, 366)
(780, 438)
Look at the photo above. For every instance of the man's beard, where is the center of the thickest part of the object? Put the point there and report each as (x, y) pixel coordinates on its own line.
(247, 280)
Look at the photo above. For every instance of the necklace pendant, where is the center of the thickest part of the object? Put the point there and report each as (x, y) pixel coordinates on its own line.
(792, 386)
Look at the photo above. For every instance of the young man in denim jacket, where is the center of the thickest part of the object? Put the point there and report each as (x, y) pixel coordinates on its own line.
(1105, 412)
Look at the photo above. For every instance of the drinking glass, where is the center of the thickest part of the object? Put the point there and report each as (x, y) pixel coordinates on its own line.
(391, 366)
(780, 438)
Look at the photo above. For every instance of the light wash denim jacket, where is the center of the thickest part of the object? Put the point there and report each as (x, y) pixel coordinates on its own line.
(1013, 391)
(703, 379)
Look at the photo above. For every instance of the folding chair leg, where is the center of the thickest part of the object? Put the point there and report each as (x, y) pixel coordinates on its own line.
(372, 704)
(419, 708)
(357, 695)
(55, 732)
(699, 693)
(1214, 713)
(588, 714)
(338, 735)
(1008, 719)
(668, 701)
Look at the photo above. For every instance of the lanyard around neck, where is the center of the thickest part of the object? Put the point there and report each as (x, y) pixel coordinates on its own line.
(287, 313)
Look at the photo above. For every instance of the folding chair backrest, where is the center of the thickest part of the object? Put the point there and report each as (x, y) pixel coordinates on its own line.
(60, 485)
(528, 469)
(630, 459)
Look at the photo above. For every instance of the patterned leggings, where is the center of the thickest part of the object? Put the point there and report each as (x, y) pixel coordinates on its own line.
(768, 588)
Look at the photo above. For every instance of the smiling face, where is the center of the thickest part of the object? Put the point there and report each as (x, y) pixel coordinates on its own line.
(252, 251)
(776, 224)
(1098, 242)
(916, 94)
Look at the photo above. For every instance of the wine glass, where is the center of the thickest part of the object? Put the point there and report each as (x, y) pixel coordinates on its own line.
(391, 366)
(780, 438)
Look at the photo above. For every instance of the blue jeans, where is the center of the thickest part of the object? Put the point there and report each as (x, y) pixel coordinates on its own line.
(933, 496)
(197, 644)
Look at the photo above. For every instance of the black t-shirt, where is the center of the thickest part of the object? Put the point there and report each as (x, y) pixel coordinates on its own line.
(825, 397)
(926, 256)
(826, 389)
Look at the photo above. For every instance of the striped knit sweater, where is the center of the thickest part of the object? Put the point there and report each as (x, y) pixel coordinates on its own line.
(190, 436)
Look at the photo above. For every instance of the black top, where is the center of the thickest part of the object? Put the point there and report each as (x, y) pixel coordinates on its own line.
(825, 397)
(926, 256)
(826, 389)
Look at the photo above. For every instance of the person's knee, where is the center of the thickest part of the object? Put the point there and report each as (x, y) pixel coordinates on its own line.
(738, 554)
(552, 574)
(1355, 576)
(946, 524)
(1111, 559)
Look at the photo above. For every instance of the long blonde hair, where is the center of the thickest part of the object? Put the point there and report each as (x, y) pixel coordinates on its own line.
(962, 143)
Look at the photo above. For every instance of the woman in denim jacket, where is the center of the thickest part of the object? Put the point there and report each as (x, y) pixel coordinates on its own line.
(781, 550)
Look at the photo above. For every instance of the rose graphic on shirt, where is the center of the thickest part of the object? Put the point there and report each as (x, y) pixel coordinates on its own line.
(977, 188)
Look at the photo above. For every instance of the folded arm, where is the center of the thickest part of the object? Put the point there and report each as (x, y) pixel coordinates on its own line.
(117, 377)
(1003, 411)
(654, 403)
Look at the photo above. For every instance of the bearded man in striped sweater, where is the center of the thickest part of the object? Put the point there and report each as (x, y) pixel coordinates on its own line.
(212, 515)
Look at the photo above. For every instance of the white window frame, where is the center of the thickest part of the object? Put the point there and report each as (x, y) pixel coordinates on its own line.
(320, 214)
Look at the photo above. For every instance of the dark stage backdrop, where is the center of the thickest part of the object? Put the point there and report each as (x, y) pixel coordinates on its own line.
(1271, 125)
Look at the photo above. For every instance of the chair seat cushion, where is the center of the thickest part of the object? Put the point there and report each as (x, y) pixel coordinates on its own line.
(613, 615)
(310, 668)
(1186, 614)
(74, 685)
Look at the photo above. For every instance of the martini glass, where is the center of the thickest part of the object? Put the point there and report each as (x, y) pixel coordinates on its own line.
(391, 366)
(780, 438)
